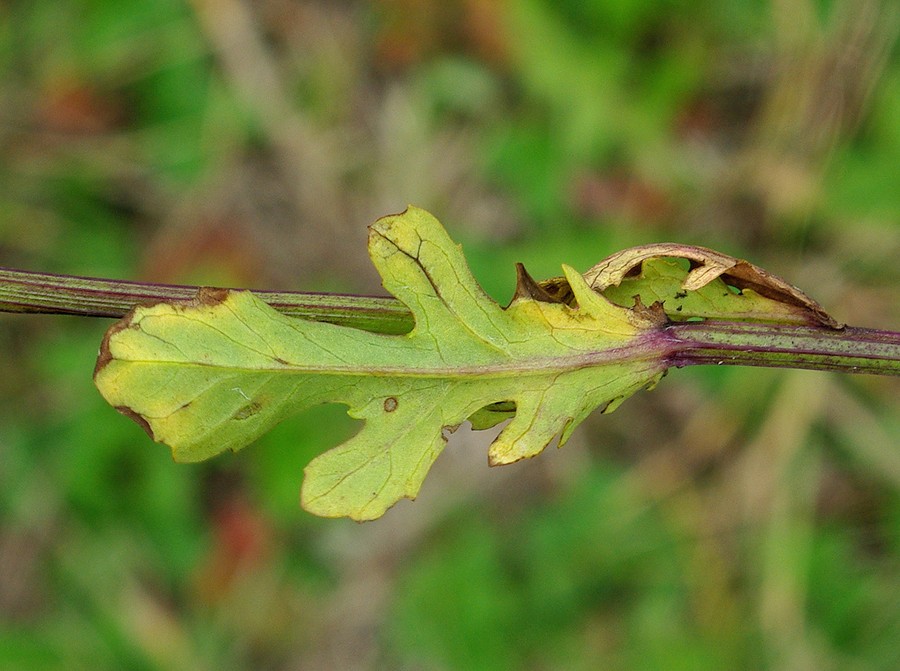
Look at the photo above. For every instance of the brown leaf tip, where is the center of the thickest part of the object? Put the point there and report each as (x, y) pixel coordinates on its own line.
(528, 289)
(138, 419)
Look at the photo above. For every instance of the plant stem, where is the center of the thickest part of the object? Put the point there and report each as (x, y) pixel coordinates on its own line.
(848, 350)
(46, 293)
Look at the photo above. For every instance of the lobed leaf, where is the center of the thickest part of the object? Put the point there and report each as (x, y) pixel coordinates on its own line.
(215, 373)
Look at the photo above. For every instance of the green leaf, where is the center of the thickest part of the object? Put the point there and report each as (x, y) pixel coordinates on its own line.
(695, 283)
(714, 285)
(214, 374)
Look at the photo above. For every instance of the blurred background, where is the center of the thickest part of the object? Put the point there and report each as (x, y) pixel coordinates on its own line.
(730, 519)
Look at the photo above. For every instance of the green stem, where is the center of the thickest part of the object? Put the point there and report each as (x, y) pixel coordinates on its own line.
(849, 350)
(46, 293)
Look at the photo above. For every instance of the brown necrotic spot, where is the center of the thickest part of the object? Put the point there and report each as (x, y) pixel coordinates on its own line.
(211, 295)
(390, 404)
(247, 411)
(104, 356)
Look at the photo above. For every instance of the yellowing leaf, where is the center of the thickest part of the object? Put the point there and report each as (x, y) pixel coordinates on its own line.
(692, 283)
(214, 374)
(715, 286)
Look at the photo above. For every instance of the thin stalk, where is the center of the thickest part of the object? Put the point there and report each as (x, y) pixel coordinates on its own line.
(848, 350)
(47, 293)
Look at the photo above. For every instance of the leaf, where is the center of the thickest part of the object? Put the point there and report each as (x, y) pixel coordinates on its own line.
(714, 286)
(214, 374)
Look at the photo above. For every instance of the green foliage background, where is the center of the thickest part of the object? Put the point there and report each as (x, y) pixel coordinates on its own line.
(734, 518)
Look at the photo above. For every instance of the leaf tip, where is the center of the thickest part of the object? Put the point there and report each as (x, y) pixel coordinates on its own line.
(528, 289)
(584, 295)
(138, 419)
